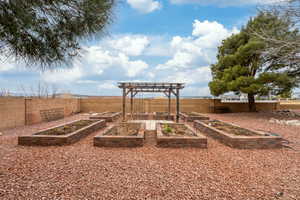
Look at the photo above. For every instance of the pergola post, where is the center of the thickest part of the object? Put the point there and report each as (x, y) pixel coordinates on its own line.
(124, 104)
(131, 101)
(169, 105)
(177, 105)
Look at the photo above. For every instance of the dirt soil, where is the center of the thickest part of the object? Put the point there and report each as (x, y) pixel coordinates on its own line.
(109, 114)
(172, 131)
(68, 128)
(228, 128)
(81, 171)
(162, 113)
(192, 114)
(117, 132)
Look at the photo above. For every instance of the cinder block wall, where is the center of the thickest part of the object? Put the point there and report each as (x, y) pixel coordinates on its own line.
(161, 105)
(186, 105)
(113, 104)
(12, 112)
(18, 111)
(289, 106)
(34, 106)
(243, 107)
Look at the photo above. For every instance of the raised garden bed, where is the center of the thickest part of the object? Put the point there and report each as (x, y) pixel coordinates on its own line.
(140, 116)
(122, 135)
(192, 116)
(107, 116)
(238, 137)
(179, 135)
(163, 116)
(63, 134)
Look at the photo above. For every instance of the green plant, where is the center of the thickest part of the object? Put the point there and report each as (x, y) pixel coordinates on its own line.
(167, 128)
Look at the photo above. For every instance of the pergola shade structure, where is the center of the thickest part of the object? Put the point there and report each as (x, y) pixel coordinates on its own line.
(133, 88)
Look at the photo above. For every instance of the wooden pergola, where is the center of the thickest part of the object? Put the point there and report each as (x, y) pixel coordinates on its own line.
(133, 88)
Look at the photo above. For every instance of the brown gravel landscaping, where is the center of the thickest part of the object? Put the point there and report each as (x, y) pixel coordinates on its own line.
(81, 171)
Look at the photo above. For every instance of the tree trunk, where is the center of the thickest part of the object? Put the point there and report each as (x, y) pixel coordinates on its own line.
(251, 103)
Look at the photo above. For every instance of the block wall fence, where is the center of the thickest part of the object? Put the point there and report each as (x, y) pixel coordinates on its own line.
(290, 104)
(161, 105)
(16, 112)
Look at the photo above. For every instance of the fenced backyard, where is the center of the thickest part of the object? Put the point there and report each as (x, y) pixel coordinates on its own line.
(66, 143)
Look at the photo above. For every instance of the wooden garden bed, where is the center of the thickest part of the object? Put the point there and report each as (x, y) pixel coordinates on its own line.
(63, 134)
(107, 116)
(179, 135)
(140, 116)
(192, 116)
(122, 135)
(163, 116)
(238, 137)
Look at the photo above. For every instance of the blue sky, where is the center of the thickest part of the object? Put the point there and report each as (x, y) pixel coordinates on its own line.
(149, 40)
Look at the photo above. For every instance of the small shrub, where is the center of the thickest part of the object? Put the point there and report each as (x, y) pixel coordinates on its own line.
(167, 128)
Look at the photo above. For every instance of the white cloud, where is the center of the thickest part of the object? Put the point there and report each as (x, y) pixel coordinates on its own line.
(6, 64)
(63, 76)
(98, 60)
(192, 76)
(224, 2)
(210, 34)
(131, 45)
(200, 48)
(158, 46)
(147, 58)
(108, 85)
(196, 91)
(145, 6)
(133, 68)
(87, 82)
(95, 62)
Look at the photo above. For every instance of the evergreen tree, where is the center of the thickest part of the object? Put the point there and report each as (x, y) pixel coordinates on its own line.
(243, 68)
(48, 32)
(283, 50)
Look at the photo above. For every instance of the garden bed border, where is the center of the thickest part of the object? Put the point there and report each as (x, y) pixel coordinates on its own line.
(199, 141)
(37, 139)
(103, 140)
(113, 117)
(140, 116)
(189, 118)
(240, 142)
(164, 116)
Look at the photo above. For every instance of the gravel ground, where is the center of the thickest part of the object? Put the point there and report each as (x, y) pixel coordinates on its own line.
(81, 171)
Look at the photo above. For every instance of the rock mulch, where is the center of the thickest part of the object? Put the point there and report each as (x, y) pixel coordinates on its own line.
(286, 114)
(285, 122)
(81, 171)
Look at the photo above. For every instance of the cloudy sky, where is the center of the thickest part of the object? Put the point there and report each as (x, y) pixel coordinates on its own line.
(150, 40)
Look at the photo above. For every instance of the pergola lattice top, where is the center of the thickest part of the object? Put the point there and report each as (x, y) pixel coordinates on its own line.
(150, 86)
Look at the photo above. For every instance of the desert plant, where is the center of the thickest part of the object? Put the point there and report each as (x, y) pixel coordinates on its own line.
(167, 128)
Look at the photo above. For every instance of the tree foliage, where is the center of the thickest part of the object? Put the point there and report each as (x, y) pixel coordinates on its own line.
(242, 66)
(282, 50)
(48, 32)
